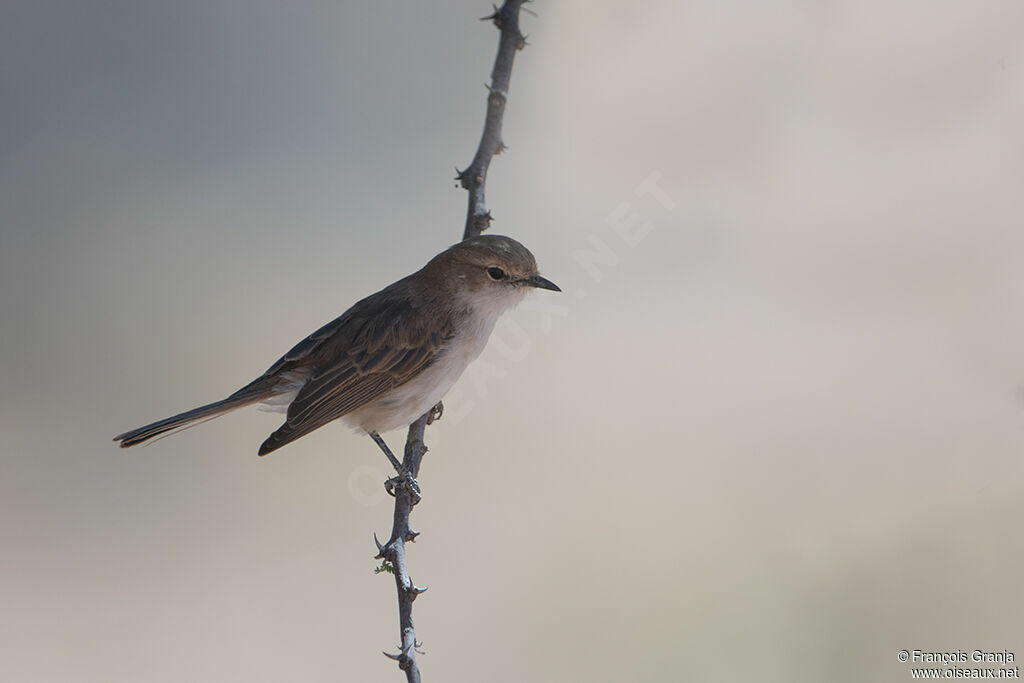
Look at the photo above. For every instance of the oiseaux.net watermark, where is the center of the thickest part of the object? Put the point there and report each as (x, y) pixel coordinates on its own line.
(977, 664)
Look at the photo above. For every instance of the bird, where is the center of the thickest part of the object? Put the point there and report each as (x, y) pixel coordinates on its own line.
(389, 358)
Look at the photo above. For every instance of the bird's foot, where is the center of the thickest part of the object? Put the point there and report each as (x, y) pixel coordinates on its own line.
(406, 481)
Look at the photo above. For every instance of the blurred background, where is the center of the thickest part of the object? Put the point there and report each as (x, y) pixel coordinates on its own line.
(771, 430)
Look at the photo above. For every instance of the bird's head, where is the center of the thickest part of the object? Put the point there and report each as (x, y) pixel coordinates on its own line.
(491, 271)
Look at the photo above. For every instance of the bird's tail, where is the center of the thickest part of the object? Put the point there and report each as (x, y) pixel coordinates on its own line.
(255, 392)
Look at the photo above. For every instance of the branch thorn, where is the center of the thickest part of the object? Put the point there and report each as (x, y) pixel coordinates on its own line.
(494, 16)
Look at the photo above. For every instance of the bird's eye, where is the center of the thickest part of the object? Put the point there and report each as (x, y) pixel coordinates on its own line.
(496, 273)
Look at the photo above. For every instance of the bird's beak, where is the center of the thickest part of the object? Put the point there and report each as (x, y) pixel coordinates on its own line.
(542, 283)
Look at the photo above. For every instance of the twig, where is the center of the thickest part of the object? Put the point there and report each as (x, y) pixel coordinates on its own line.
(474, 177)
(394, 550)
(478, 219)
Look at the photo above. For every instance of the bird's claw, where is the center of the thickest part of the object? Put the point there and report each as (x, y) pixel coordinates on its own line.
(406, 481)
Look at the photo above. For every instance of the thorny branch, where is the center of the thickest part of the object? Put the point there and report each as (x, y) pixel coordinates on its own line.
(478, 219)
(394, 550)
(474, 177)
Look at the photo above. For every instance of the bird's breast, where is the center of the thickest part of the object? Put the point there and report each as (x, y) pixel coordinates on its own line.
(403, 404)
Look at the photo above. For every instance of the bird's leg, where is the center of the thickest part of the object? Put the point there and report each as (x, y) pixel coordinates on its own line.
(404, 477)
(387, 451)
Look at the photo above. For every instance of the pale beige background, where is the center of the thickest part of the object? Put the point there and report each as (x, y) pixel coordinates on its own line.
(778, 438)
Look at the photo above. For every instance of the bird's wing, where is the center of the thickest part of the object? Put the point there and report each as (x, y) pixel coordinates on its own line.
(380, 343)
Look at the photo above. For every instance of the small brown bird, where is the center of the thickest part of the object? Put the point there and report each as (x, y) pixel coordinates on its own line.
(392, 356)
